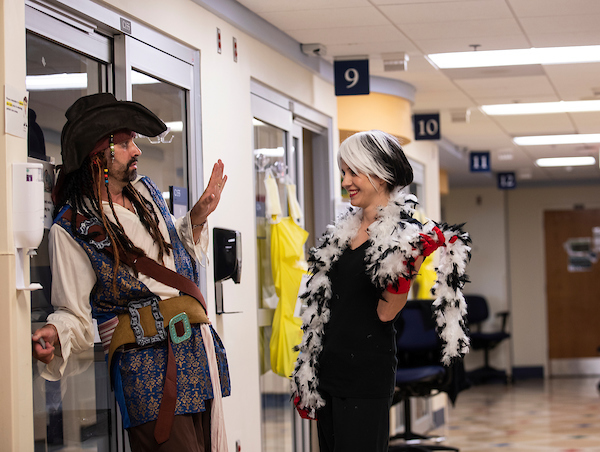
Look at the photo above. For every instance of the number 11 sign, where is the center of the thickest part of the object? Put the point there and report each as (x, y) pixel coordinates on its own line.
(351, 77)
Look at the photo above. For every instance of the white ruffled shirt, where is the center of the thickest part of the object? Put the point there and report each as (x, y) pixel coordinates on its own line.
(73, 277)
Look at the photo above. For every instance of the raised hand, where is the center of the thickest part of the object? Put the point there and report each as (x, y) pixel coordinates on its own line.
(209, 200)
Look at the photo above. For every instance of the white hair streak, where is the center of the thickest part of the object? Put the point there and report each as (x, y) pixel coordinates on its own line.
(360, 160)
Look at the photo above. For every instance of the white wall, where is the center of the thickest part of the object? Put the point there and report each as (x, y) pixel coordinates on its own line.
(483, 212)
(16, 416)
(427, 153)
(227, 134)
(513, 234)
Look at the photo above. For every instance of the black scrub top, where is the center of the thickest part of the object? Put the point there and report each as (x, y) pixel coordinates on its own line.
(359, 350)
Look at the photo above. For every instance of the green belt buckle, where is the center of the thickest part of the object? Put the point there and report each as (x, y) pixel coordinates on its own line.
(182, 317)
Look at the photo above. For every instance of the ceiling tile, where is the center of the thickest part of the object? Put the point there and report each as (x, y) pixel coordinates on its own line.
(575, 81)
(562, 39)
(521, 125)
(536, 152)
(530, 70)
(261, 6)
(463, 43)
(536, 8)
(586, 122)
(419, 12)
(350, 35)
(525, 98)
(404, 2)
(464, 29)
(325, 18)
(563, 24)
(363, 49)
(506, 87)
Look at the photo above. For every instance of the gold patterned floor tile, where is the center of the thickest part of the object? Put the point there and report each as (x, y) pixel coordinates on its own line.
(558, 415)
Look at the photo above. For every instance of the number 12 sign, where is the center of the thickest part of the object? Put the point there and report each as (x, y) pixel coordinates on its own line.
(351, 77)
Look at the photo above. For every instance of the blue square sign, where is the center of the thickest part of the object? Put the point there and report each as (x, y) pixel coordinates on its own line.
(480, 162)
(351, 77)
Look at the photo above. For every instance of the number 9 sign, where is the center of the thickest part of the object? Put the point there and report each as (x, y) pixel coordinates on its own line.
(351, 77)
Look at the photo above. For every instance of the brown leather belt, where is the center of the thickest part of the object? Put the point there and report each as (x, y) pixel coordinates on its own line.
(148, 327)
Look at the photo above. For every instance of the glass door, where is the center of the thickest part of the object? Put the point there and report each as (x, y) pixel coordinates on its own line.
(164, 159)
(270, 156)
(277, 157)
(75, 412)
(164, 84)
(64, 63)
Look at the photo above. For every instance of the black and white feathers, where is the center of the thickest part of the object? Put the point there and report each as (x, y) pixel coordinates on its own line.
(395, 244)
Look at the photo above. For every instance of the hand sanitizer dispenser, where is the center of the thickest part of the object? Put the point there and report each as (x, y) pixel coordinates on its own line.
(28, 214)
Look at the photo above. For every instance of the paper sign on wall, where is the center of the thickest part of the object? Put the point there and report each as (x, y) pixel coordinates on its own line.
(15, 111)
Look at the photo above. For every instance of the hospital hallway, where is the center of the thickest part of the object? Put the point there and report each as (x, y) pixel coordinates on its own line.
(559, 414)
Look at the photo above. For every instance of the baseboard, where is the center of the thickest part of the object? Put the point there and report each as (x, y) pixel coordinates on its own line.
(439, 418)
(527, 373)
(575, 367)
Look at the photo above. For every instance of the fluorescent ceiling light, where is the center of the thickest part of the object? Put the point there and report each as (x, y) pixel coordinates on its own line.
(53, 82)
(79, 80)
(566, 161)
(516, 57)
(541, 108)
(579, 138)
(137, 78)
(270, 152)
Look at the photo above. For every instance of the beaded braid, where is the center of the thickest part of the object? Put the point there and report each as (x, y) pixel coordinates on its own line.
(82, 190)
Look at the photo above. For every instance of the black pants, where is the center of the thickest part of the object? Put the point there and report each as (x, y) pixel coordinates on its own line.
(354, 425)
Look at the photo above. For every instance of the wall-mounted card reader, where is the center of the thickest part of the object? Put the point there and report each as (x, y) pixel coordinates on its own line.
(227, 258)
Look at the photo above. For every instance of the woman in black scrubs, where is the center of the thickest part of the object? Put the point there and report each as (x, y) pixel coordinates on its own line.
(360, 279)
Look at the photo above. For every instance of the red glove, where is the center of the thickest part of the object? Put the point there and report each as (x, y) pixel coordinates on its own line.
(403, 286)
(430, 245)
(303, 412)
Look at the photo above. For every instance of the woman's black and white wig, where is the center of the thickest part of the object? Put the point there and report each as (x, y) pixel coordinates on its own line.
(376, 153)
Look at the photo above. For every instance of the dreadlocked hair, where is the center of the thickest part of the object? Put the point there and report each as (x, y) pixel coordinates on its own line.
(82, 190)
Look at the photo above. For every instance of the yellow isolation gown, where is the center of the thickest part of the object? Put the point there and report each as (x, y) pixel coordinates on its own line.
(288, 267)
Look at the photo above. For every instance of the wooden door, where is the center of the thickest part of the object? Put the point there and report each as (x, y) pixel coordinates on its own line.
(573, 295)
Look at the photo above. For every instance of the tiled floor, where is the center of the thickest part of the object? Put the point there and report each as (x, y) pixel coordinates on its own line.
(559, 415)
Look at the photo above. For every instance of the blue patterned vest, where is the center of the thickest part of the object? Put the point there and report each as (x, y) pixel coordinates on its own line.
(138, 375)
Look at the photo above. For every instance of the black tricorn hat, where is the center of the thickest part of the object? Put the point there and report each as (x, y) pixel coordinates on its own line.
(93, 117)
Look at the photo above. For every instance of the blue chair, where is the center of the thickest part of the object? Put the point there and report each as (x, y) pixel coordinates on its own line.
(477, 313)
(419, 372)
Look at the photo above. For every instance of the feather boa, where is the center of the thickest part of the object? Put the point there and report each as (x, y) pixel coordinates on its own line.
(395, 246)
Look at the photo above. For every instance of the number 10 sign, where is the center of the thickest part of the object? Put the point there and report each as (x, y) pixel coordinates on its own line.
(351, 77)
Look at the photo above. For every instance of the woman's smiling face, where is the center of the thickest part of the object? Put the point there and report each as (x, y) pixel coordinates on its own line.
(362, 192)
